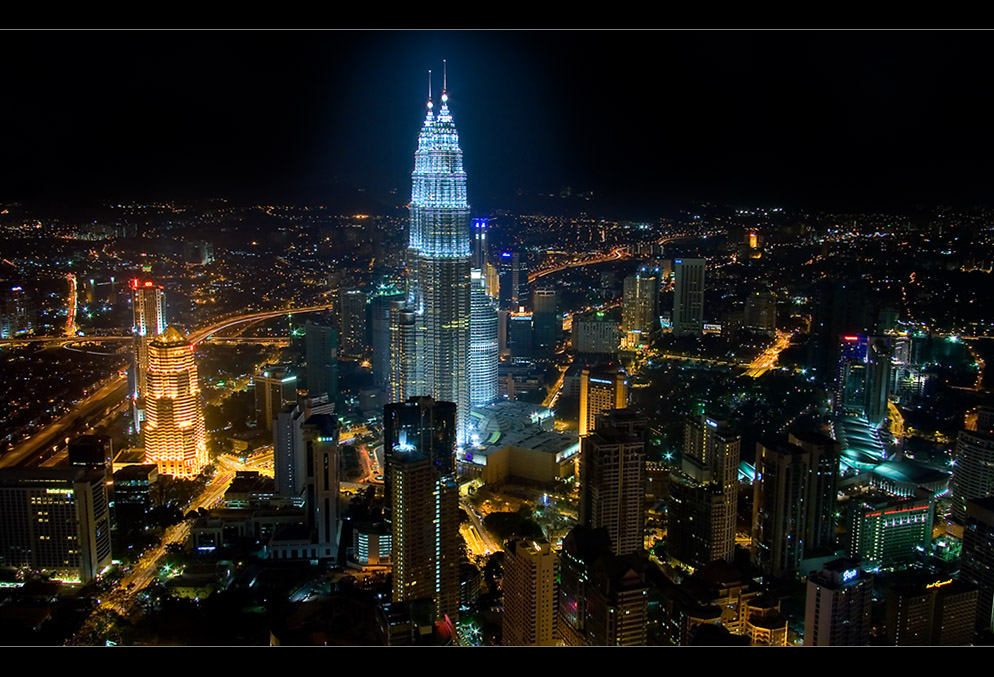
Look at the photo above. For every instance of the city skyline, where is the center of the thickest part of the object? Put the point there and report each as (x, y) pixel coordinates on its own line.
(642, 119)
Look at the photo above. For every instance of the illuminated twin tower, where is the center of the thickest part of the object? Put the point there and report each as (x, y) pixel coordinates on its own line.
(431, 341)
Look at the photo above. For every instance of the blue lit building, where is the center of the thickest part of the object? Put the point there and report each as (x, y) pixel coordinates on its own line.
(482, 344)
(439, 264)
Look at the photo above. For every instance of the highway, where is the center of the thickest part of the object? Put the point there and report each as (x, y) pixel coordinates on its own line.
(111, 394)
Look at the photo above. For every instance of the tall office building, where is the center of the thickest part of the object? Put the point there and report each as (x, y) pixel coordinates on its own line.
(838, 604)
(352, 322)
(514, 286)
(977, 560)
(274, 389)
(601, 390)
(320, 438)
(321, 353)
(290, 448)
(380, 303)
(55, 520)
(482, 344)
(529, 587)
(406, 371)
(823, 486)
(973, 465)
(17, 313)
(878, 358)
(612, 479)
(520, 334)
(779, 511)
(438, 263)
(547, 323)
(423, 501)
(175, 438)
(704, 494)
(148, 302)
(640, 307)
(688, 297)
(794, 501)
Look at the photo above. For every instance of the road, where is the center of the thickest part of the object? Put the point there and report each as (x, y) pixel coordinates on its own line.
(116, 389)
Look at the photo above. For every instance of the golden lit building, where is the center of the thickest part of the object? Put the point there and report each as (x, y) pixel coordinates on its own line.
(175, 439)
(600, 392)
(529, 585)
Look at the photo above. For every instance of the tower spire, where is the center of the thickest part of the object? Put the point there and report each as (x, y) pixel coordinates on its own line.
(429, 90)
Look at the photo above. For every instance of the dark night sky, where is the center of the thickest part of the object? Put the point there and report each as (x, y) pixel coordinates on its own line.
(813, 118)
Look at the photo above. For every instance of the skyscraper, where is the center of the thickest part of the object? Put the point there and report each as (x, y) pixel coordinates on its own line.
(423, 500)
(175, 439)
(379, 304)
(973, 469)
(149, 306)
(704, 494)
(482, 345)
(352, 322)
(529, 585)
(438, 263)
(274, 389)
(321, 351)
(779, 511)
(640, 307)
(688, 297)
(613, 479)
(547, 323)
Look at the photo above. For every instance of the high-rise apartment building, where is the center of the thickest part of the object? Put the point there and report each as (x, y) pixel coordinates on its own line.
(55, 520)
(688, 297)
(601, 390)
(704, 494)
(423, 501)
(352, 322)
(483, 348)
(823, 486)
(838, 604)
(321, 353)
(640, 307)
(529, 587)
(175, 438)
(439, 264)
(612, 479)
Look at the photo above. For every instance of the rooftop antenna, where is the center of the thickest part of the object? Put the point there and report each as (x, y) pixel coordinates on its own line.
(445, 97)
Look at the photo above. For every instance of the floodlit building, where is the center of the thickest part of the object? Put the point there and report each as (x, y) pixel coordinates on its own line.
(482, 344)
(601, 390)
(149, 307)
(640, 307)
(439, 264)
(175, 439)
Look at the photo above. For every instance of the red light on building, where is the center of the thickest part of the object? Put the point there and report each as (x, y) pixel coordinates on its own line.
(851, 338)
(148, 283)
